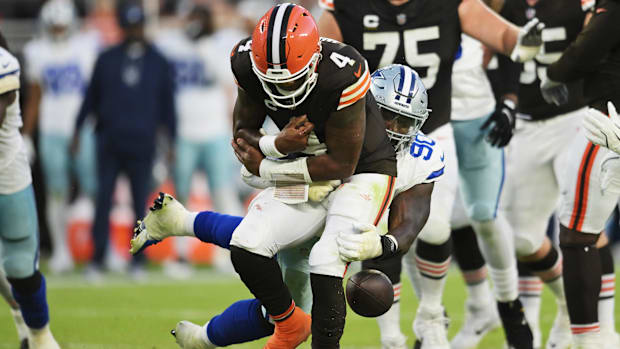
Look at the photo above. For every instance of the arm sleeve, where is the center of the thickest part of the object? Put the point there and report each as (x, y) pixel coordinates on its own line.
(91, 99)
(591, 46)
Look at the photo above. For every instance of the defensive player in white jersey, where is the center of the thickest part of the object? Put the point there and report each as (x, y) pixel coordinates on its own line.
(58, 66)
(18, 213)
(203, 109)
(420, 163)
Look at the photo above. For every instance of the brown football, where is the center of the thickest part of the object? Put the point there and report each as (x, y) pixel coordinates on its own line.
(370, 293)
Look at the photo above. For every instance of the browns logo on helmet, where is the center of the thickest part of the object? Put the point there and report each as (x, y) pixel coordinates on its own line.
(285, 52)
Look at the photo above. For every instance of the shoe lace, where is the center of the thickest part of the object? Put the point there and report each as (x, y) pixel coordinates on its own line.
(434, 331)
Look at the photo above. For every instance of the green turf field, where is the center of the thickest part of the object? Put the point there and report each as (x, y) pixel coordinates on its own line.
(122, 314)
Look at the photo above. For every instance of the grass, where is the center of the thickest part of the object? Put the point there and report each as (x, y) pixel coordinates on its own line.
(122, 314)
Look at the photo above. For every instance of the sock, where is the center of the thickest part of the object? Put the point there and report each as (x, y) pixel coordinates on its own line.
(433, 263)
(389, 323)
(30, 294)
(412, 270)
(530, 289)
(466, 250)
(479, 293)
(214, 227)
(56, 216)
(606, 301)
(263, 278)
(241, 322)
(328, 311)
(549, 270)
(582, 284)
(5, 291)
(496, 244)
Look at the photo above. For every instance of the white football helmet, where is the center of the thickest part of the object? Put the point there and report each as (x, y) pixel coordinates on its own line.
(58, 14)
(403, 101)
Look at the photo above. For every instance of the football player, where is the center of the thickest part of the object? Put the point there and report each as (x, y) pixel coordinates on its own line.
(420, 164)
(431, 30)
(18, 213)
(589, 191)
(544, 132)
(59, 65)
(287, 72)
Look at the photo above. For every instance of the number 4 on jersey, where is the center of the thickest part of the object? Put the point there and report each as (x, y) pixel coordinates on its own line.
(341, 60)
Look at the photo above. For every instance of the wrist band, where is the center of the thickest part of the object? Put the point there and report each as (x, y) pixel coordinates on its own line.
(267, 145)
(291, 171)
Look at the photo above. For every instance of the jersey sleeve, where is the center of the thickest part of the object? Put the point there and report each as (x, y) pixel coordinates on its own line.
(433, 164)
(9, 72)
(351, 77)
(240, 64)
(327, 5)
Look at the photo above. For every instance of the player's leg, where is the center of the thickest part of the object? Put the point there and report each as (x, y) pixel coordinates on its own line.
(218, 163)
(389, 323)
(84, 163)
(480, 310)
(606, 301)
(586, 205)
(345, 211)
(55, 163)
(271, 226)
(19, 232)
(186, 161)
(481, 173)
(18, 319)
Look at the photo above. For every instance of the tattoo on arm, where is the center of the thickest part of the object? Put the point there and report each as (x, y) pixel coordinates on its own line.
(408, 213)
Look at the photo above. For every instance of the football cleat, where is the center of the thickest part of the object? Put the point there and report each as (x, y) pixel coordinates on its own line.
(399, 342)
(479, 320)
(560, 336)
(190, 336)
(430, 329)
(291, 332)
(166, 218)
(518, 332)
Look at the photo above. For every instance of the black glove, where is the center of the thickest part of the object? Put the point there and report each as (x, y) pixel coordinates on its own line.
(502, 123)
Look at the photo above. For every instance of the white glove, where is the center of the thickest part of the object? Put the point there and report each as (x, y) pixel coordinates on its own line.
(30, 151)
(361, 246)
(603, 130)
(529, 41)
(254, 181)
(553, 91)
(318, 191)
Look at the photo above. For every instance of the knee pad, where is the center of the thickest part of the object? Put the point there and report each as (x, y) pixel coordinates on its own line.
(436, 231)
(20, 257)
(528, 244)
(325, 258)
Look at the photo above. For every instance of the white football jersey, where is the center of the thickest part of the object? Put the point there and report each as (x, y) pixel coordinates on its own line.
(472, 96)
(63, 70)
(200, 75)
(422, 162)
(14, 168)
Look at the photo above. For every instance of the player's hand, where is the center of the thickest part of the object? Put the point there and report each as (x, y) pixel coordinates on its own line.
(603, 130)
(294, 136)
(361, 246)
(248, 155)
(553, 91)
(502, 123)
(529, 41)
(318, 191)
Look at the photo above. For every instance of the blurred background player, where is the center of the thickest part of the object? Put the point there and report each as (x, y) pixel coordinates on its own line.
(588, 193)
(426, 25)
(203, 105)
(19, 234)
(131, 94)
(59, 64)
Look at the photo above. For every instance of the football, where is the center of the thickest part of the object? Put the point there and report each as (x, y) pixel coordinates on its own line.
(370, 293)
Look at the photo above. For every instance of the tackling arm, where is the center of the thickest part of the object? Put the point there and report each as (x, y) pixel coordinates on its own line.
(31, 110)
(248, 118)
(328, 26)
(6, 99)
(408, 214)
(481, 23)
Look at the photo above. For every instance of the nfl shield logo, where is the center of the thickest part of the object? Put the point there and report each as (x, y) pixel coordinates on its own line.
(401, 18)
(530, 13)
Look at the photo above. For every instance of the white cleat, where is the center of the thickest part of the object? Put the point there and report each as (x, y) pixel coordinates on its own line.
(399, 342)
(429, 327)
(560, 336)
(43, 339)
(22, 329)
(166, 218)
(479, 320)
(191, 336)
(610, 339)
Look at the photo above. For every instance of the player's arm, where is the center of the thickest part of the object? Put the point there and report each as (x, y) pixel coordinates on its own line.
(248, 118)
(481, 23)
(328, 26)
(591, 46)
(31, 109)
(408, 213)
(6, 99)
